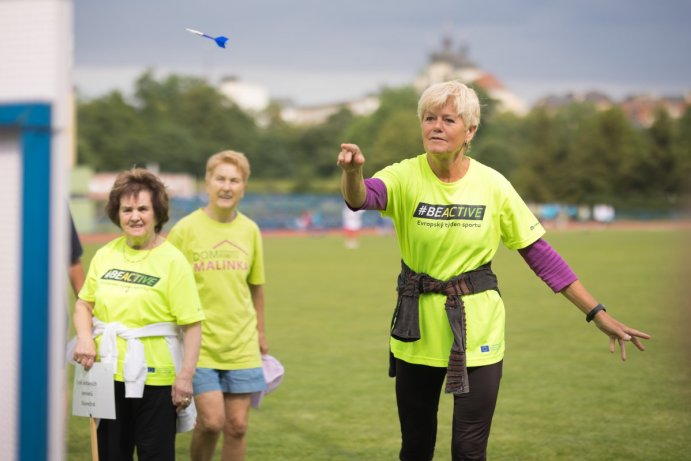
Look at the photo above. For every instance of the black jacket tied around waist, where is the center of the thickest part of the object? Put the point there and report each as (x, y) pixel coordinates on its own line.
(405, 325)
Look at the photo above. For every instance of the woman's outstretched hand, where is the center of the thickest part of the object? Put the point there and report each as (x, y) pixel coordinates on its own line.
(619, 333)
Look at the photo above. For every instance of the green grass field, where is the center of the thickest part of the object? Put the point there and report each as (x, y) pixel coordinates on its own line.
(563, 396)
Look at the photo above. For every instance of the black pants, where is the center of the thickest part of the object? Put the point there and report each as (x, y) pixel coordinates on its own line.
(418, 388)
(147, 423)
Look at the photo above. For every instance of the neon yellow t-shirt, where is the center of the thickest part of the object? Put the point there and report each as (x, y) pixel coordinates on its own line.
(445, 229)
(138, 288)
(225, 258)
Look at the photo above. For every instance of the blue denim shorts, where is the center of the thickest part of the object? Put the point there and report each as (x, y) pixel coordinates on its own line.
(243, 381)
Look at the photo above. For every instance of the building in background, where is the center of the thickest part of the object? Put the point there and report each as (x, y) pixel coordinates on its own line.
(250, 97)
(640, 109)
(455, 64)
(314, 115)
(444, 64)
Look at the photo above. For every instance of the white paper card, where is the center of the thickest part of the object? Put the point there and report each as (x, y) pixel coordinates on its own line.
(93, 393)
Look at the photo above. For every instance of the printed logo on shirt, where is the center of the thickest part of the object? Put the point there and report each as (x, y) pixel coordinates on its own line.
(161, 372)
(450, 212)
(489, 348)
(131, 277)
(224, 256)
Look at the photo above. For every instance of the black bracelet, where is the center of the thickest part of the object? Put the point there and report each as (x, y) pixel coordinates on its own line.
(593, 312)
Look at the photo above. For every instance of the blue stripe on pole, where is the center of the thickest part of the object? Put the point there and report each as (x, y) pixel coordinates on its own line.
(34, 124)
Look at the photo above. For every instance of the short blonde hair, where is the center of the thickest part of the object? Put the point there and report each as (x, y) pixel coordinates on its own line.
(463, 98)
(229, 156)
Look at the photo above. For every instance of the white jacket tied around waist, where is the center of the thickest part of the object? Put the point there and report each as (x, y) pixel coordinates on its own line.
(135, 369)
(134, 362)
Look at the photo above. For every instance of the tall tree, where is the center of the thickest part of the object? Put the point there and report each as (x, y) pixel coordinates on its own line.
(498, 142)
(199, 119)
(684, 150)
(321, 143)
(541, 158)
(109, 130)
(275, 154)
(397, 138)
(606, 163)
(176, 123)
(364, 130)
(666, 159)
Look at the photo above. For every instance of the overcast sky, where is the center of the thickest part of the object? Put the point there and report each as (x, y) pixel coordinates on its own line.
(321, 51)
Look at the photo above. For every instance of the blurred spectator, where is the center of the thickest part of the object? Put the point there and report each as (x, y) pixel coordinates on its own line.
(352, 223)
(603, 213)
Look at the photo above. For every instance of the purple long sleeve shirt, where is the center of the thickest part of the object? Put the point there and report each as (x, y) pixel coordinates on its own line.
(542, 258)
